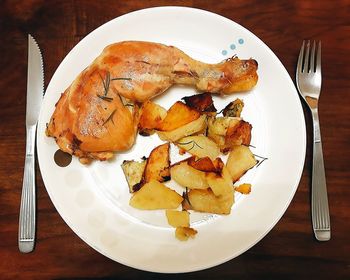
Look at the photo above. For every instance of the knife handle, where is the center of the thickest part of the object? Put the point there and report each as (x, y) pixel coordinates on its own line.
(26, 232)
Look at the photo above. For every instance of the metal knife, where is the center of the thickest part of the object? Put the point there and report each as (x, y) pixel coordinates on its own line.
(35, 92)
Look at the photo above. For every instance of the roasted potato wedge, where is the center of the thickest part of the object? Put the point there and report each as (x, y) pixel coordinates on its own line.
(184, 233)
(151, 117)
(244, 188)
(200, 146)
(204, 164)
(202, 102)
(155, 195)
(206, 201)
(187, 176)
(220, 184)
(177, 116)
(220, 125)
(133, 171)
(227, 132)
(178, 218)
(157, 165)
(239, 134)
(239, 161)
(217, 129)
(185, 130)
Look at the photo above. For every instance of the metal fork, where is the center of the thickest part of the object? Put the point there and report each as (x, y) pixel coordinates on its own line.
(309, 79)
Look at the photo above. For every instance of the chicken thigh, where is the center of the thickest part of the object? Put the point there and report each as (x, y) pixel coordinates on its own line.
(98, 113)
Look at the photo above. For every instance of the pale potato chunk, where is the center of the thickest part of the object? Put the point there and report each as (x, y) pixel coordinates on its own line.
(207, 201)
(184, 233)
(187, 176)
(220, 125)
(155, 195)
(220, 184)
(133, 171)
(185, 130)
(217, 129)
(178, 218)
(200, 146)
(244, 188)
(239, 161)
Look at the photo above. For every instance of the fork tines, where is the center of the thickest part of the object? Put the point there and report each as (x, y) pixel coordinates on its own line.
(307, 58)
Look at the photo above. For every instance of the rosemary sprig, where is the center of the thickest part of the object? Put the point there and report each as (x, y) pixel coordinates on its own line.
(127, 104)
(110, 118)
(121, 79)
(105, 98)
(142, 61)
(106, 82)
(185, 196)
(249, 145)
(190, 142)
(260, 161)
(220, 111)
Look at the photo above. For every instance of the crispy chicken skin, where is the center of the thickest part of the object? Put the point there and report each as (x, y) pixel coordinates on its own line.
(98, 113)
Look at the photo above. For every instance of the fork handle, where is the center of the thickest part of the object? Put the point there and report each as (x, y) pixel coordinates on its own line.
(319, 200)
(26, 230)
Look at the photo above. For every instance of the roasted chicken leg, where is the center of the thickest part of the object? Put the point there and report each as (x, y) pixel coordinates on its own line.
(98, 113)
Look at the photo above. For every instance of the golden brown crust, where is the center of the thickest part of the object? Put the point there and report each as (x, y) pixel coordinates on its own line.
(98, 113)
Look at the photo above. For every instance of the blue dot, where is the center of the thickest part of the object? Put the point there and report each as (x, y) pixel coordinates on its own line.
(241, 41)
(224, 52)
(232, 46)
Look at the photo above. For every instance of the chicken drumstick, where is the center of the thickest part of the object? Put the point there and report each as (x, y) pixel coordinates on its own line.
(98, 113)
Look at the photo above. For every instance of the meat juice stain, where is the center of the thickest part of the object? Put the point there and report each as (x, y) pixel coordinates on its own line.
(62, 159)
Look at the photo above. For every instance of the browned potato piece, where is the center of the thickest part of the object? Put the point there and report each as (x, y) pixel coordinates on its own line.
(227, 132)
(184, 233)
(239, 161)
(206, 164)
(178, 115)
(178, 218)
(155, 195)
(133, 171)
(244, 188)
(217, 129)
(151, 116)
(238, 134)
(200, 146)
(185, 130)
(202, 102)
(187, 176)
(202, 164)
(206, 201)
(157, 166)
(234, 108)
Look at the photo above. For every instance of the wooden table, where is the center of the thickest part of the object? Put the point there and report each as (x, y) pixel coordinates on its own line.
(289, 251)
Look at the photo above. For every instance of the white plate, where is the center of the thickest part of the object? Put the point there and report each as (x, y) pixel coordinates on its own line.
(93, 200)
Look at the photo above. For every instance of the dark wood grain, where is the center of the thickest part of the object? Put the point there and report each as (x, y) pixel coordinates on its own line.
(289, 251)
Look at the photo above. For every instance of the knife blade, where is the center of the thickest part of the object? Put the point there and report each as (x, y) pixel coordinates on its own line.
(35, 92)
